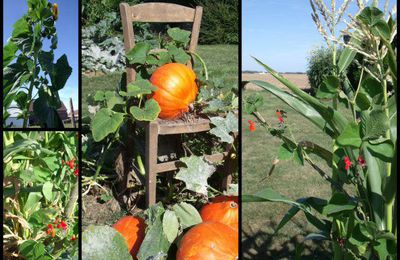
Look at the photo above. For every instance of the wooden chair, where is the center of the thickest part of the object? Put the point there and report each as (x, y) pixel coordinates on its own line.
(164, 13)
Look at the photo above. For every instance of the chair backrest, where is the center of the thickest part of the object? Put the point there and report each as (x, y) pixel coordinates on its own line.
(157, 13)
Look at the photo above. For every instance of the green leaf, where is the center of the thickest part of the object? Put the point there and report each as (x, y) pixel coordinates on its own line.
(376, 124)
(195, 174)
(46, 60)
(338, 203)
(46, 113)
(224, 127)
(148, 113)
(61, 72)
(139, 52)
(381, 29)
(139, 87)
(99, 96)
(350, 136)
(370, 15)
(329, 87)
(31, 249)
(178, 55)
(47, 191)
(113, 99)
(253, 102)
(187, 214)
(284, 152)
(21, 27)
(32, 203)
(179, 35)
(384, 150)
(170, 225)
(103, 242)
(106, 122)
(347, 56)
(9, 51)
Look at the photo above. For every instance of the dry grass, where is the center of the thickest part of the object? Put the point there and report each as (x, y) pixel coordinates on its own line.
(300, 80)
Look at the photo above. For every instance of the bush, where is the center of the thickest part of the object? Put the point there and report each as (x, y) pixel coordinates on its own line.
(320, 66)
(220, 22)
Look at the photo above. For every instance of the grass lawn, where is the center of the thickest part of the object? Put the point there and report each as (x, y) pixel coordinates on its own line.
(221, 60)
(289, 178)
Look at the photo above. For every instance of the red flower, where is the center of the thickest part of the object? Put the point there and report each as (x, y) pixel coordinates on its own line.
(347, 163)
(279, 115)
(73, 238)
(70, 163)
(50, 230)
(361, 161)
(62, 225)
(252, 126)
(76, 172)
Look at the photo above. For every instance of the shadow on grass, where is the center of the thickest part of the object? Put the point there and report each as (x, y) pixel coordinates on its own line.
(260, 245)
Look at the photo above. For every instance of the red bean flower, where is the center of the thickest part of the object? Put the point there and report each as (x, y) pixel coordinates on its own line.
(280, 117)
(361, 161)
(62, 225)
(76, 172)
(252, 126)
(347, 163)
(50, 230)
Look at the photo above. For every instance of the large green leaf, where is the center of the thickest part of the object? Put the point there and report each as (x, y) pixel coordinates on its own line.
(179, 35)
(46, 112)
(138, 87)
(196, 173)
(148, 113)
(187, 214)
(9, 51)
(350, 136)
(103, 242)
(339, 202)
(61, 72)
(298, 105)
(224, 127)
(139, 52)
(332, 117)
(105, 122)
(34, 250)
(170, 225)
(382, 149)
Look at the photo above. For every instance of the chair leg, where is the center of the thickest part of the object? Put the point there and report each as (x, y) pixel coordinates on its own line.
(151, 162)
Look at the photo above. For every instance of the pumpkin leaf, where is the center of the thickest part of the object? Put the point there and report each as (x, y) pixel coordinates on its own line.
(196, 173)
(138, 87)
(224, 127)
(170, 225)
(106, 122)
(148, 113)
(187, 214)
(179, 35)
(139, 52)
(178, 54)
(103, 242)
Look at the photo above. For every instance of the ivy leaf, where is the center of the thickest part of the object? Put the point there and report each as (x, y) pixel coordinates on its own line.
(224, 126)
(106, 122)
(138, 53)
(103, 242)
(187, 214)
(170, 225)
(148, 113)
(195, 174)
(179, 35)
(139, 87)
(253, 102)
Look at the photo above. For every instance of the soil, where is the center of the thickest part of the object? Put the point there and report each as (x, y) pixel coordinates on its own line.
(300, 80)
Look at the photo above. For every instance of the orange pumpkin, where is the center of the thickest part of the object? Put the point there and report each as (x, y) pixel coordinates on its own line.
(223, 198)
(226, 213)
(177, 89)
(209, 240)
(133, 230)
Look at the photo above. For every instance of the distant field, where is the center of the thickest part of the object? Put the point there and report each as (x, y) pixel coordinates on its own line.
(300, 80)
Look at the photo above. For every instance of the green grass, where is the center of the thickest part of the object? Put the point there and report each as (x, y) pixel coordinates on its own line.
(289, 178)
(222, 62)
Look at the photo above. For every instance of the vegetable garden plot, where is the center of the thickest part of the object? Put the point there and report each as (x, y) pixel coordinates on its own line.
(165, 93)
(40, 192)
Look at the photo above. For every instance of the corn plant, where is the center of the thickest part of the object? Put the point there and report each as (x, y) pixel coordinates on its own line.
(30, 76)
(40, 195)
(360, 217)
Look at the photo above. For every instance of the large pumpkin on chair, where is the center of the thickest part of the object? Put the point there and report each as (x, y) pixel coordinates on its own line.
(133, 230)
(177, 89)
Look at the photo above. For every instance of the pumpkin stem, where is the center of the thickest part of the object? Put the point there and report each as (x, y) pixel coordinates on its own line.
(202, 63)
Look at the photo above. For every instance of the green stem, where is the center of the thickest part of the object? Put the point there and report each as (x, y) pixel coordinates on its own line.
(202, 63)
(30, 90)
(140, 164)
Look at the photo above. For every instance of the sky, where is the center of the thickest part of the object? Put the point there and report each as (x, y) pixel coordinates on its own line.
(281, 33)
(68, 41)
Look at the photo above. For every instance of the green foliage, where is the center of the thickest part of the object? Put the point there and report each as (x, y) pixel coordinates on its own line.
(220, 22)
(38, 189)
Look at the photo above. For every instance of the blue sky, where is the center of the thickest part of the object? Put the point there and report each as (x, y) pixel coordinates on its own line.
(281, 33)
(67, 32)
